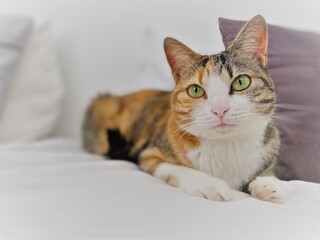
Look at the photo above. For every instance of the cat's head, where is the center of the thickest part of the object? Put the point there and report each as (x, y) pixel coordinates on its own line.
(224, 94)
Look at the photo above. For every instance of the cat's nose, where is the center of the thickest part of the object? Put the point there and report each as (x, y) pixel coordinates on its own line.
(220, 112)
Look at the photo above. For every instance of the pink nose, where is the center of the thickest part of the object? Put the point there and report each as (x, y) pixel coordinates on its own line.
(221, 112)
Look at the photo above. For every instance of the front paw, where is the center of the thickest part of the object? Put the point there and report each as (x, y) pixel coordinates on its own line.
(207, 187)
(268, 188)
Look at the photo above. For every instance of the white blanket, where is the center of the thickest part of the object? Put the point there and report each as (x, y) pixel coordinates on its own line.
(53, 190)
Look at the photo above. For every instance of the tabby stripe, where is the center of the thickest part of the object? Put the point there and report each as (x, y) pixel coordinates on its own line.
(161, 142)
(265, 101)
(268, 109)
(150, 113)
(268, 134)
(177, 101)
(268, 166)
(229, 69)
(220, 69)
(267, 84)
(222, 58)
(256, 94)
(181, 112)
(268, 162)
(215, 58)
(204, 61)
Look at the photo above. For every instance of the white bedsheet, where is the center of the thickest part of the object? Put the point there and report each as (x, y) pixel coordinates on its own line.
(53, 190)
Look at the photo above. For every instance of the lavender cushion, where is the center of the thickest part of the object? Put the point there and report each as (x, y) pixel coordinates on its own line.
(294, 65)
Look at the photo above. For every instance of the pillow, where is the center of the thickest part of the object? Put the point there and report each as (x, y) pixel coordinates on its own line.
(33, 101)
(13, 33)
(294, 65)
(153, 71)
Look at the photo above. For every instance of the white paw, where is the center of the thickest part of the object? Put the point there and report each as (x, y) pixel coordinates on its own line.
(194, 182)
(202, 185)
(268, 188)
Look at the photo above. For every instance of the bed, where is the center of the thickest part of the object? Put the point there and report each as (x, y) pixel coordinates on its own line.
(53, 190)
(50, 188)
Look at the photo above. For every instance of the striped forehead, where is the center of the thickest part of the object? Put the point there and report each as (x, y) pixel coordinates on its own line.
(219, 75)
(222, 62)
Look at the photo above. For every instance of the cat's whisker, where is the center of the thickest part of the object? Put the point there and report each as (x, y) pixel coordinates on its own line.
(292, 114)
(298, 107)
(241, 115)
(181, 133)
(284, 120)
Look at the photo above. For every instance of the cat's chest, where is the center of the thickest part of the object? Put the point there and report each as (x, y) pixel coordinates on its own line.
(233, 161)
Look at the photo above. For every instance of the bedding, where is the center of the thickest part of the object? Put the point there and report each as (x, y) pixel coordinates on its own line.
(52, 189)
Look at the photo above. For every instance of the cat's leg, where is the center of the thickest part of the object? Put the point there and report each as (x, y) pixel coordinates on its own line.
(191, 181)
(98, 118)
(269, 188)
(265, 186)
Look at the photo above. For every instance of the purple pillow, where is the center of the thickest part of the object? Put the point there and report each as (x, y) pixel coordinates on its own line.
(294, 65)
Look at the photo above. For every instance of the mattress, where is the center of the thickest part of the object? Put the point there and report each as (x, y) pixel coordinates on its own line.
(54, 190)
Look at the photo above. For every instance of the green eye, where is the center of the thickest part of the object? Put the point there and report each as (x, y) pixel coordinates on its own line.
(242, 82)
(195, 91)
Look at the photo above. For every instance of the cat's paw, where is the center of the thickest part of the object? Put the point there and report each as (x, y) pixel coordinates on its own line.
(201, 185)
(268, 188)
(194, 182)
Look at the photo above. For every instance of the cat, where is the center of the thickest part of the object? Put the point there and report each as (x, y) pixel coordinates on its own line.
(213, 133)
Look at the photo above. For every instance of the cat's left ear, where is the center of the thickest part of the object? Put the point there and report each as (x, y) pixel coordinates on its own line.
(252, 40)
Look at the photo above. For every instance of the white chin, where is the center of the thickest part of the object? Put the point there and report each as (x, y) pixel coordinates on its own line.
(223, 132)
(239, 131)
(220, 133)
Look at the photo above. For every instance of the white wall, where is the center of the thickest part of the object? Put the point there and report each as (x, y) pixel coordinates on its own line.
(100, 42)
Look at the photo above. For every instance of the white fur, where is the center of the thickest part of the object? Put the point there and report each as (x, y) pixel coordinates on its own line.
(233, 153)
(234, 161)
(227, 156)
(241, 114)
(195, 183)
(268, 188)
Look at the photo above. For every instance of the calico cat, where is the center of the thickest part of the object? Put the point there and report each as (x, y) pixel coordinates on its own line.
(213, 133)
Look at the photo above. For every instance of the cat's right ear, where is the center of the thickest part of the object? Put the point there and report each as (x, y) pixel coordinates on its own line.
(252, 40)
(179, 57)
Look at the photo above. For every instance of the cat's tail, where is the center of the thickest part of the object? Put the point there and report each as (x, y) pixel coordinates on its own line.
(97, 121)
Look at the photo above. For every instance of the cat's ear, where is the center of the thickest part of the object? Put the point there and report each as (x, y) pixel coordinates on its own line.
(252, 40)
(179, 57)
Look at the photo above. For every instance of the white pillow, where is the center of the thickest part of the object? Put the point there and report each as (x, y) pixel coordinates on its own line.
(153, 70)
(13, 33)
(34, 97)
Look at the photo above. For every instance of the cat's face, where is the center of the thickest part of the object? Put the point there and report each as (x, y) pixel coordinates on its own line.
(226, 94)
